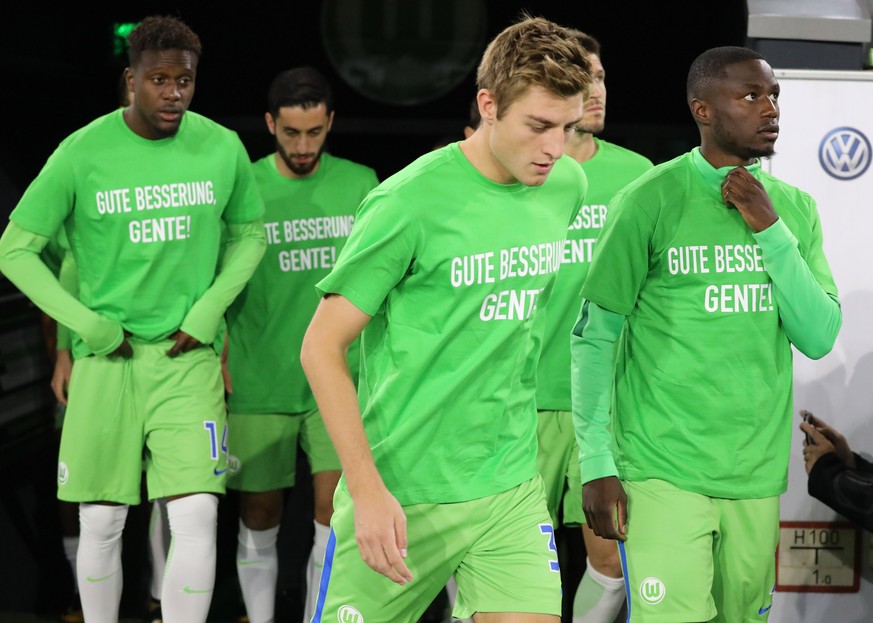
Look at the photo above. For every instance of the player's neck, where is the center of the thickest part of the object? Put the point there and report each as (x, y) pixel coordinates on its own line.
(581, 146)
(478, 152)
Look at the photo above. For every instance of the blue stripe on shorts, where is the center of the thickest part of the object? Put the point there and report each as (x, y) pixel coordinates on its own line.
(325, 576)
(627, 593)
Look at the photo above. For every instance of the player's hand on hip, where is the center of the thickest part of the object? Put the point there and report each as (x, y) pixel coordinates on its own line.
(184, 343)
(605, 504)
(380, 531)
(742, 191)
(61, 375)
(124, 350)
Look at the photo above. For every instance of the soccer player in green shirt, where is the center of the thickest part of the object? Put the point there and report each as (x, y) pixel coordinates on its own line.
(445, 278)
(144, 194)
(609, 167)
(708, 271)
(310, 199)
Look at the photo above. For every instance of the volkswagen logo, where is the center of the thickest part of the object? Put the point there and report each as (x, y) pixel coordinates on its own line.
(844, 153)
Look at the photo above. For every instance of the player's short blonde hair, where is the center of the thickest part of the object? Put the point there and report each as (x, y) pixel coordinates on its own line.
(533, 52)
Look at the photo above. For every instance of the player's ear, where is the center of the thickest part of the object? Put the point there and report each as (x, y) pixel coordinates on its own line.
(700, 111)
(271, 123)
(487, 105)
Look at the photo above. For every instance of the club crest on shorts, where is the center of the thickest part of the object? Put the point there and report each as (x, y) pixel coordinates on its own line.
(347, 614)
(652, 591)
(63, 473)
(233, 464)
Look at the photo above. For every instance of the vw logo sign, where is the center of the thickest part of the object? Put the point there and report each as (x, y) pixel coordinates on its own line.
(844, 153)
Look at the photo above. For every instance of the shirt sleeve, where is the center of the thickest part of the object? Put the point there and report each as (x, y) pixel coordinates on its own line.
(378, 254)
(810, 314)
(68, 277)
(620, 263)
(592, 354)
(242, 253)
(245, 204)
(20, 261)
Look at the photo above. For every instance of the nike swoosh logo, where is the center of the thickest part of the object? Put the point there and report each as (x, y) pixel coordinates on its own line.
(194, 591)
(245, 563)
(219, 472)
(105, 577)
(764, 610)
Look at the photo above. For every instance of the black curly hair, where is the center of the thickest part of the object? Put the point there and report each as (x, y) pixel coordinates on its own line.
(162, 32)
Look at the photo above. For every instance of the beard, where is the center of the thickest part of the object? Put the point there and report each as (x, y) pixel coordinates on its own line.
(729, 143)
(301, 170)
(753, 153)
(591, 127)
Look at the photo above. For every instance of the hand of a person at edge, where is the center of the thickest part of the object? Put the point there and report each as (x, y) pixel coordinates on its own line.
(184, 343)
(741, 190)
(813, 451)
(831, 435)
(61, 375)
(225, 371)
(380, 531)
(605, 504)
(124, 350)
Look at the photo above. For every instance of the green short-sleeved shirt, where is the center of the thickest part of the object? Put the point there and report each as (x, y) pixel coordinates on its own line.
(704, 377)
(611, 168)
(454, 269)
(143, 217)
(307, 222)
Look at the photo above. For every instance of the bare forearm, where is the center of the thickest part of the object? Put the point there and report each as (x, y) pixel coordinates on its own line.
(325, 362)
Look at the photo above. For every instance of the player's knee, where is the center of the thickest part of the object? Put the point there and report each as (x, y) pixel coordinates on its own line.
(324, 485)
(261, 511)
(193, 515)
(323, 512)
(603, 556)
(102, 522)
(609, 564)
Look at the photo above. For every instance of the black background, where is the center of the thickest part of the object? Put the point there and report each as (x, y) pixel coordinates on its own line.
(59, 73)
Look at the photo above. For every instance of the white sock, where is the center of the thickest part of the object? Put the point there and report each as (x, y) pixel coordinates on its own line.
(599, 598)
(257, 565)
(98, 562)
(189, 577)
(71, 548)
(313, 569)
(159, 545)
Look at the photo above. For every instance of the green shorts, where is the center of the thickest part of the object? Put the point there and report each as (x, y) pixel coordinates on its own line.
(500, 548)
(171, 407)
(558, 464)
(690, 557)
(263, 449)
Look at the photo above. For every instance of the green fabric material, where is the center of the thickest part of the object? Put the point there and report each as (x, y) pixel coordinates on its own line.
(68, 277)
(593, 349)
(242, 253)
(56, 255)
(144, 219)
(705, 345)
(455, 270)
(307, 222)
(811, 317)
(20, 261)
(611, 168)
